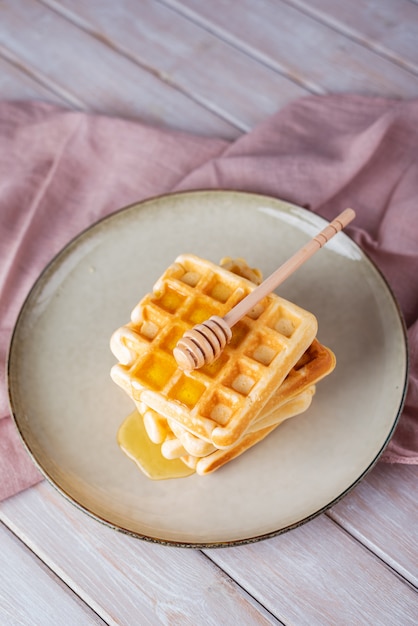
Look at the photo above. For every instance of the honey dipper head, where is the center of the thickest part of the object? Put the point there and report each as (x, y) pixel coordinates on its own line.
(202, 344)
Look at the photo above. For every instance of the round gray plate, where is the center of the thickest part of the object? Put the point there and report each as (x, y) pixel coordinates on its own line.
(68, 410)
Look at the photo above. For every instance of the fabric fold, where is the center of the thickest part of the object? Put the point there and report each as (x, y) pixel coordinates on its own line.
(62, 170)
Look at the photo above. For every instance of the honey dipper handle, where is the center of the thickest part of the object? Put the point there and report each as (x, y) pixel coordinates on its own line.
(290, 266)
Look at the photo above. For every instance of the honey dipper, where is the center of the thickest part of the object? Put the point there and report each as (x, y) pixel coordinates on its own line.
(204, 343)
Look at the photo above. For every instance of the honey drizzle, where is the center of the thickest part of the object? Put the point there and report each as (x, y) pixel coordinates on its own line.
(135, 443)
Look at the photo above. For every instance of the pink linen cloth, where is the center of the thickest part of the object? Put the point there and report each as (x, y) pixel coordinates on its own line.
(62, 170)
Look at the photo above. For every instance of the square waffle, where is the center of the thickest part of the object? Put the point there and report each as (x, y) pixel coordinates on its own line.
(179, 446)
(134, 441)
(317, 362)
(218, 402)
(218, 458)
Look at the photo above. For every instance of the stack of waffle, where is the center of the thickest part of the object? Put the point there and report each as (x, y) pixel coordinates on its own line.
(265, 375)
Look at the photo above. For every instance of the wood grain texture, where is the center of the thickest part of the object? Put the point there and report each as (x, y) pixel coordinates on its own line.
(17, 84)
(90, 75)
(214, 68)
(316, 55)
(382, 513)
(390, 27)
(319, 575)
(124, 580)
(214, 73)
(32, 594)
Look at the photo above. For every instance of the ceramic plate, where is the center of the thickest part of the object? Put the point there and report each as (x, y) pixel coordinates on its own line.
(68, 410)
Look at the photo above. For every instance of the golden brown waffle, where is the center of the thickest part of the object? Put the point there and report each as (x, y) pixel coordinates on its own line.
(216, 403)
(178, 446)
(317, 362)
(218, 458)
(177, 442)
(134, 441)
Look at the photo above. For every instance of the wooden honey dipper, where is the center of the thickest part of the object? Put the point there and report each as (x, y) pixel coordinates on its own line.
(204, 343)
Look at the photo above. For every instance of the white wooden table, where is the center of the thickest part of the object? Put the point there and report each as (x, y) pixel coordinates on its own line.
(217, 68)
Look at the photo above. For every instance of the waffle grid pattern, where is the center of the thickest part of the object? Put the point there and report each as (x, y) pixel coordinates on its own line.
(217, 402)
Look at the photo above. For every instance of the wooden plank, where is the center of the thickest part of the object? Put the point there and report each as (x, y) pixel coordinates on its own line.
(92, 74)
(289, 40)
(319, 575)
(388, 26)
(382, 513)
(213, 72)
(17, 84)
(31, 594)
(125, 580)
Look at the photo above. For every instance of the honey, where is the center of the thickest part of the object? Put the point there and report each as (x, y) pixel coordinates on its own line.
(199, 312)
(170, 300)
(213, 369)
(155, 374)
(195, 420)
(239, 332)
(135, 443)
(171, 339)
(187, 391)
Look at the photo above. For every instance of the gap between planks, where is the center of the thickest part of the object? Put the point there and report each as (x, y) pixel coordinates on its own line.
(60, 578)
(53, 574)
(257, 602)
(352, 34)
(304, 9)
(239, 44)
(192, 17)
(59, 504)
(373, 550)
(367, 546)
(67, 97)
(78, 22)
(58, 575)
(8, 56)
